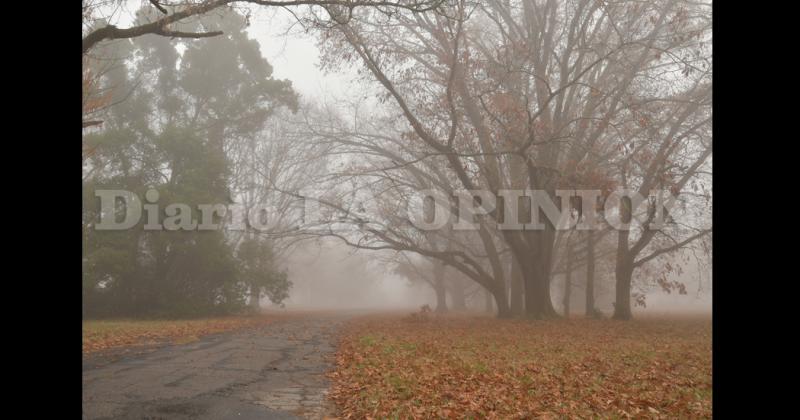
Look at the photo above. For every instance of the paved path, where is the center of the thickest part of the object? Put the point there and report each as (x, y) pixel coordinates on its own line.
(274, 372)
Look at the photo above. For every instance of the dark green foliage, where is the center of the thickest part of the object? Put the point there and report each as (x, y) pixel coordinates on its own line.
(170, 133)
(259, 269)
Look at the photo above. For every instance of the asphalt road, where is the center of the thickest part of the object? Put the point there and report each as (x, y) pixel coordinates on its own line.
(274, 372)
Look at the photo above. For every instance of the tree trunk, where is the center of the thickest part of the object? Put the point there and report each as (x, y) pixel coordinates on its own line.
(624, 268)
(548, 310)
(441, 303)
(537, 281)
(517, 304)
(438, 286)
(503, 311)
(567, 293)
(499, 288)
(590, 309)
(501, 302)
(532, 306)
(489, 307)
(255, 297)
(622, 305)
(535, 269)
(538, 303)
(546, 267)
(457, 295)
(568, 279)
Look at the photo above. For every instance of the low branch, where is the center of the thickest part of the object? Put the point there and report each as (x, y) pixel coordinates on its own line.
(91, 123)
(159, 27)
(672, 248)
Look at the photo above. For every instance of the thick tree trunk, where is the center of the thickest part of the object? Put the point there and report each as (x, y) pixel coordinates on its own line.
(501, 302)
(532, 254)
(548, 310)
(622, 305)
(540, 265)
(540, 244)
(503, 311)
(591, 311)
(538, 302)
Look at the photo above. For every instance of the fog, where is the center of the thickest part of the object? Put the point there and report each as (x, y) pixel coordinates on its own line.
(332, 276)
(320, 271)
(362, 115)
(295, 56)
(397, 209)
(329, 275)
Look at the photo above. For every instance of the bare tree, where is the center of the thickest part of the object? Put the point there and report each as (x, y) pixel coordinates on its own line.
(525, 90)
(389, 172)
(671, 156)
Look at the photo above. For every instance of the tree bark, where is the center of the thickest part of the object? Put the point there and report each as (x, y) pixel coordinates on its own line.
(568, 279)
(501, 301)
(439, 287)
(546, 261)
(590, 309)
(457, 295)
(255, 296)
(532, 307)
(538, 303)
(488, 302)
(158, 27)
(540, 243)
(441, 303)
(622, 306)
(517, 304)
(624, 267)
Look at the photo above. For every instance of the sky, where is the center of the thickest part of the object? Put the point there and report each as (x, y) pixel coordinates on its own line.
(295, 56)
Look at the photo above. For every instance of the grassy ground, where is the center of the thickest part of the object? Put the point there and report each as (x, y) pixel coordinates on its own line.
(100, 335)
(474, 367)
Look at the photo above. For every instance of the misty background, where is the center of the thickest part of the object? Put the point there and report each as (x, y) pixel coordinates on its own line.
(328, 274)
(321, 274)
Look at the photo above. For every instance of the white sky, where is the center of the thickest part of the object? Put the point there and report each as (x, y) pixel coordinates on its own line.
(295, 56)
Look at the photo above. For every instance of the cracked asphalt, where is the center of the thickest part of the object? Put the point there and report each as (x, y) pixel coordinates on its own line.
(273, 372)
